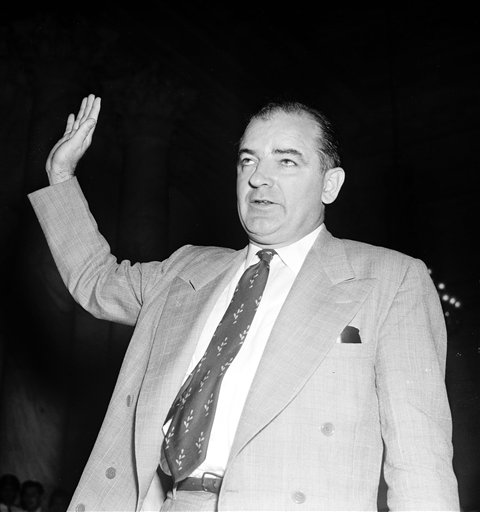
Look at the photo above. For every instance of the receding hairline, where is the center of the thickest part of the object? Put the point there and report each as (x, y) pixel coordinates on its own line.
(327, 147)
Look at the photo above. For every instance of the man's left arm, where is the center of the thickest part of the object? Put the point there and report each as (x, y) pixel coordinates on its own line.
(414, 410)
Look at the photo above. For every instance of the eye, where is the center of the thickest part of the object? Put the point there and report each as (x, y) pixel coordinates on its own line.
(246, 161)
(286, 162)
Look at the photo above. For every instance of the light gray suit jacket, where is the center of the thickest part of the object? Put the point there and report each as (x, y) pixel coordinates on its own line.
(312, 431)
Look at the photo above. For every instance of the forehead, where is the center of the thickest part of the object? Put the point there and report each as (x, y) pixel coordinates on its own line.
(282, 129)
(31, 488)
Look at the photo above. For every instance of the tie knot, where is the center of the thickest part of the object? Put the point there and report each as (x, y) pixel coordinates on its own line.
(266, 255)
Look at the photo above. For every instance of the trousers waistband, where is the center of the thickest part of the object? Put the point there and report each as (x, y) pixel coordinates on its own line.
(204, 483)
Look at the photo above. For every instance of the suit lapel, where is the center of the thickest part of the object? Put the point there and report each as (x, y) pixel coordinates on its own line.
(324, 298)
(191, 298)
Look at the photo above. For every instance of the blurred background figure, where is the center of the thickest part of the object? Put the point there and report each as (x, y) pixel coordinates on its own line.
(9, 493)
(31, 496)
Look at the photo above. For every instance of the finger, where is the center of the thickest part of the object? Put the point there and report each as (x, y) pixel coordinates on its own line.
(95, 110)
(88, 138)
(81, 110)
(69, 126)
(88, 108)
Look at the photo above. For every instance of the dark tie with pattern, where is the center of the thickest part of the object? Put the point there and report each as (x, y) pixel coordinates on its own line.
(193, 410)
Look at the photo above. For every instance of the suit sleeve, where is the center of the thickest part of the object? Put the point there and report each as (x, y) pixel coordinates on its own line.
(414, 410)
(107, 289)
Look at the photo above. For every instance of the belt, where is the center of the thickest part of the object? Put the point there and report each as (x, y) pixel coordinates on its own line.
(204, 483)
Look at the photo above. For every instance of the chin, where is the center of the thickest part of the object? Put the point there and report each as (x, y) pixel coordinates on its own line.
(261, 230)
(264, 240)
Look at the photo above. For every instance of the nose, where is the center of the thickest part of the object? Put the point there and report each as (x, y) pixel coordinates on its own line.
(261, 176)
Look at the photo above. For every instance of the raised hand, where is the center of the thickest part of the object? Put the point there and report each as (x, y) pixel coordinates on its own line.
(66, 153)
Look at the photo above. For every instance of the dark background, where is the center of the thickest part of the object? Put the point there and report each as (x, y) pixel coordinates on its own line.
(177, 83)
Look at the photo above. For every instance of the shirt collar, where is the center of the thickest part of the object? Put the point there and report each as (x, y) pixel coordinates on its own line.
(292, 255)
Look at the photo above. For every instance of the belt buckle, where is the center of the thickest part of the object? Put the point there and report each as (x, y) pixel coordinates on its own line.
(204, 487)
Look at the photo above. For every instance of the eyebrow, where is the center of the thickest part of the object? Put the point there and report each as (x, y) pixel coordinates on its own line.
(286, 151)
(246, 150)
(289, 151)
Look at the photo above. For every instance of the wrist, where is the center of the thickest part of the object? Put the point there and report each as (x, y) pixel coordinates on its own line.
(59, 176)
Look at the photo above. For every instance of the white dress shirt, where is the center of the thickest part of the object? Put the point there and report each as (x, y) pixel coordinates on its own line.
(236, 382)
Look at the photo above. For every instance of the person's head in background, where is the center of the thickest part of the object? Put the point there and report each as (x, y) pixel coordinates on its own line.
(31, 495)
(9, 489)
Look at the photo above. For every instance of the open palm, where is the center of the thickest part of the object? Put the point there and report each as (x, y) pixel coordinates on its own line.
(66, 153)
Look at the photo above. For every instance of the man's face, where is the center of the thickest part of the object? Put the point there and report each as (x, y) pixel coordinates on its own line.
(31, 498)
(280, 183)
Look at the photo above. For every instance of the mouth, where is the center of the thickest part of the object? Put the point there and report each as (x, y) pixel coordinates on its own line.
(262, 202)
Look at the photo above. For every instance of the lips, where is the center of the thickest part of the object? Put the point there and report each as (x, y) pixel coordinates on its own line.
(262, 202)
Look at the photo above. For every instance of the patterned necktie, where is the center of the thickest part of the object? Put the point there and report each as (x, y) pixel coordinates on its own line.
(193, 410)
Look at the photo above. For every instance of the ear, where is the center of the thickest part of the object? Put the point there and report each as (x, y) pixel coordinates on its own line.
(332, 183)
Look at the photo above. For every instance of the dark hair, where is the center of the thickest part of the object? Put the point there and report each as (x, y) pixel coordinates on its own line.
(9, 479)
(327, 141)
(32, 483)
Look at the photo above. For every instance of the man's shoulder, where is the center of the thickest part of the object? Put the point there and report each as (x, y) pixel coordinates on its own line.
(377, 259)
(356, 248)
(201, 252)
(199, 256)
(192, 263)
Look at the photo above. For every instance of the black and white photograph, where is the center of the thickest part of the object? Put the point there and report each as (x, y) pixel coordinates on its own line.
(240, 257)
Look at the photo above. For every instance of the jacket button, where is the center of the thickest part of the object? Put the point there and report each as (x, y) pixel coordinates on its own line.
(110, 473)
(327, 429)
(299, 497)
(80, 508)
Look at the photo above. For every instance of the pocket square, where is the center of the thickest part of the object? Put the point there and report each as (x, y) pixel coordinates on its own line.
(350, 335)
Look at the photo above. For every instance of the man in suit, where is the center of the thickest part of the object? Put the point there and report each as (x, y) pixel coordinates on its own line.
(345, 354)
